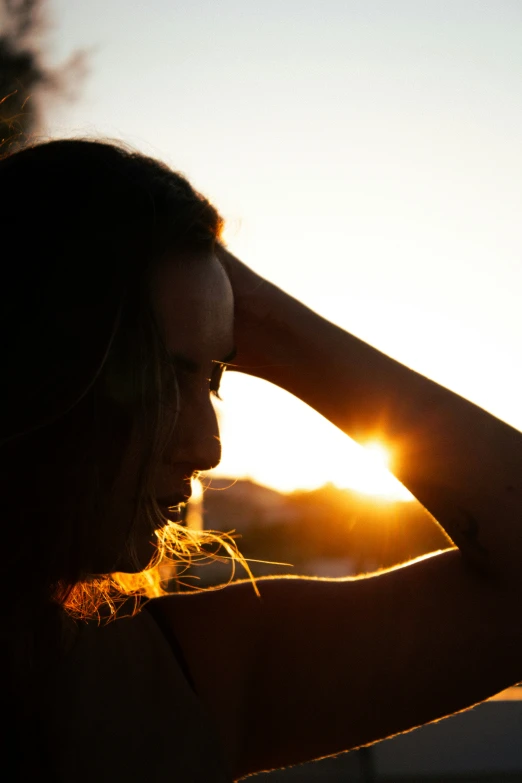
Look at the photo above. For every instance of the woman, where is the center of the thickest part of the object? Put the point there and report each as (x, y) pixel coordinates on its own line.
(121, 310)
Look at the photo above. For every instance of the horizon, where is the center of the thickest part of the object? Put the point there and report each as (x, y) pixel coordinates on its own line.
(217, 477)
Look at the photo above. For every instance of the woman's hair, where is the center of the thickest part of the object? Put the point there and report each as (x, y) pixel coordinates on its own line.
(83, 225)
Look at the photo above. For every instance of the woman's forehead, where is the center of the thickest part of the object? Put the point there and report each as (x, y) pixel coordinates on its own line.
(194, 301)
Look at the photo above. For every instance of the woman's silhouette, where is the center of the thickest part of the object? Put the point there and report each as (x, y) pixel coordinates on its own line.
(120, 310)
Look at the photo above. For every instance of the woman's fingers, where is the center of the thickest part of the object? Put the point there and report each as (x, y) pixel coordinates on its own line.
(254, 303)
(246, 283)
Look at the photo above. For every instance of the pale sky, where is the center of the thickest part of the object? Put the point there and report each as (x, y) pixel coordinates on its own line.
(368, 158)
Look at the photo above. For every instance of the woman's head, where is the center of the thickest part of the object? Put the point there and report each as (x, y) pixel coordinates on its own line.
(193, 302)
(108, 272)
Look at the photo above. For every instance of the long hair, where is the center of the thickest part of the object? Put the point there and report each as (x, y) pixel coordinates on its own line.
(82, 226)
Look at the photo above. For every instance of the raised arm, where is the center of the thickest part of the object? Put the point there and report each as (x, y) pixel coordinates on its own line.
(315, 667)
(460, 462)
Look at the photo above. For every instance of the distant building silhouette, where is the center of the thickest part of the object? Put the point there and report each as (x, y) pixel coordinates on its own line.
(325, 532)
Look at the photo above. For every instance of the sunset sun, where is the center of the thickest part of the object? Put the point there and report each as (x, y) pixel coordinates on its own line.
(378, 454)
(296, 448)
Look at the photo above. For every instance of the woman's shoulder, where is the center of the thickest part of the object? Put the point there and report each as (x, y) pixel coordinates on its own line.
(109, 664)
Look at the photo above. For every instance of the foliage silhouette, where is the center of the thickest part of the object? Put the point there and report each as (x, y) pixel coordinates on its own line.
(25, 78)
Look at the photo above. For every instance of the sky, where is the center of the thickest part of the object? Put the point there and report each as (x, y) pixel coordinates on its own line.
(367, 158)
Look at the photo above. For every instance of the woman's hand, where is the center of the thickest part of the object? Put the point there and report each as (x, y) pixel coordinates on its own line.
(254, 306)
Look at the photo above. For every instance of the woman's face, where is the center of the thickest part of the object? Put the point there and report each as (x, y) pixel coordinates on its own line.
(194, 303)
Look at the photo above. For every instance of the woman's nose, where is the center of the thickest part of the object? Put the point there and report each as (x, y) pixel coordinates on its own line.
(195, 440)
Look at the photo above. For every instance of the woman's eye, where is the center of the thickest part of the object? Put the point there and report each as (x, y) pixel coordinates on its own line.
(215, 380)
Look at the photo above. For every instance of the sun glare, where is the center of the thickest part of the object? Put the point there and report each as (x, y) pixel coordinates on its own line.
(292, 447)
(378, 455)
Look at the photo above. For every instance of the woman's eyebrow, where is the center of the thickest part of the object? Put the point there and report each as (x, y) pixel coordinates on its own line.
(189, 365)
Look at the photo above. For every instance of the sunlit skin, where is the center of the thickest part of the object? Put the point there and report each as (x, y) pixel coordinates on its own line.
(194, 300)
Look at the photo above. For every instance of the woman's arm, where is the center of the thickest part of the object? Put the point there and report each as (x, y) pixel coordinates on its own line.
(315, 667)
(461, 463)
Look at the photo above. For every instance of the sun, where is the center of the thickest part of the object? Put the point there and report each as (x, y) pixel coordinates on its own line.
(378, 454)
(370, 473)
(373, 476)
(273, 438)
